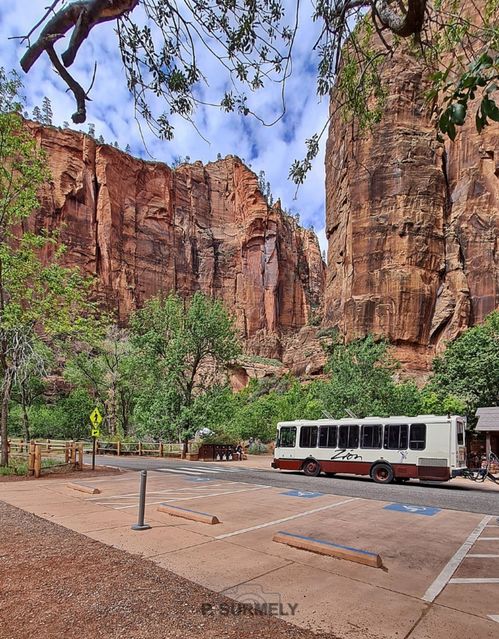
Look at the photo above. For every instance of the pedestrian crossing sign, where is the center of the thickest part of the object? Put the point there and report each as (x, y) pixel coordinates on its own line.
(96, 418)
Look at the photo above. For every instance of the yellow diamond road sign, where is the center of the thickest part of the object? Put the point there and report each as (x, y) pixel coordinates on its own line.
(96, 418)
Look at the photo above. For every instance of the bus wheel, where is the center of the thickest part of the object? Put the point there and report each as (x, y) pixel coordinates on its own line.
(382, 473)
(311, 468)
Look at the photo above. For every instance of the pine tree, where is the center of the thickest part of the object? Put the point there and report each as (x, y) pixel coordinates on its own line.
(261, 182)
(46, 111)
(268, 194)
(101, 139)
(65, 124)
(37, 114)
(91, 129)
(128, 149)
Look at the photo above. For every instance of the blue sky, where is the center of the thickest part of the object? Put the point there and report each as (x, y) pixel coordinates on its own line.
(111, 110)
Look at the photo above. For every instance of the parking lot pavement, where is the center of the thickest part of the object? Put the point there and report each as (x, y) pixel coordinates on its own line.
(440, 567)
(458, 494)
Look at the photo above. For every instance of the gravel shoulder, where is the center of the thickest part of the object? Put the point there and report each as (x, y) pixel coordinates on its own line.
(56, 583)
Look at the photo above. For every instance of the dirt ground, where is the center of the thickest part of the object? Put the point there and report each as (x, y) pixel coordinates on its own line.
(57, 583)
(63, 472)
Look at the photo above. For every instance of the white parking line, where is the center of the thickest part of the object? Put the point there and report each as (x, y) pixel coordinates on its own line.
(475, 580)
(280, 521)
(488, 539)
(180, 472)
(196, 489)
(454, 562)
(484, 556)
(227, 492)
(202, 470)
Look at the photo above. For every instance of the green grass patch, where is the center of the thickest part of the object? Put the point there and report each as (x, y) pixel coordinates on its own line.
(19, 466)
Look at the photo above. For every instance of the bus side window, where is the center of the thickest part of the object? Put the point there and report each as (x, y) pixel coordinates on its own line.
(396, 436)
(460, 433)
(287, 437)
(308, 437)
(348, 437)
(328, 436)
(417, 440)
(371, 436)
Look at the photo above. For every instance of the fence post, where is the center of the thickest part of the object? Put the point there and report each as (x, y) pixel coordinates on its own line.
(48, 444)
(38, 460)
(140, 448)
(118, 448)
(80, 456)
(161, 449)
(31, 458)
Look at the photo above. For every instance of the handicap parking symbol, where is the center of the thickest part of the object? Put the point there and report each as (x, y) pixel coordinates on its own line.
(306, 494)
(413, 510)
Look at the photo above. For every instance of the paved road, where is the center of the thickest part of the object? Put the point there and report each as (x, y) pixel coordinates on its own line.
(447, 495)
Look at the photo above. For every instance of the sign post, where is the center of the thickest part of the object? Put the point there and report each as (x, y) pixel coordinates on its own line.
(96, 420)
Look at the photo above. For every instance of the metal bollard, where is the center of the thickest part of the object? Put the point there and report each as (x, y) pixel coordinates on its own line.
(140, 525)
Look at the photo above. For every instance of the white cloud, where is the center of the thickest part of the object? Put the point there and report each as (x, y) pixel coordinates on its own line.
(271, 149)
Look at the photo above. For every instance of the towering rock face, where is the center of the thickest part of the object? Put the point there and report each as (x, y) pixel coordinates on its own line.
(412, 224)
(144, 229)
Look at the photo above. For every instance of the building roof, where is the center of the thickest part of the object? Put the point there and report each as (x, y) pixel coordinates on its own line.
(488, 418)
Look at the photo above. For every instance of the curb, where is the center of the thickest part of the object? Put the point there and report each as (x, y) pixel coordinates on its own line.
(84, 489)
(323, 547)
(186, 513)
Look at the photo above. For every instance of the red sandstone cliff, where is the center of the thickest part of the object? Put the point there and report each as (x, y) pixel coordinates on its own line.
(143, 229)
(412, 224)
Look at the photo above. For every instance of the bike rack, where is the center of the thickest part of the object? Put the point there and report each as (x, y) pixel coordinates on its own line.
(479, 475)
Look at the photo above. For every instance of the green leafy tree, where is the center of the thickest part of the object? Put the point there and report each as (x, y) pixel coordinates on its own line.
(362, 381)
(164, 48)
(107, 370)
(29, 384)
(36, 298)
(468, 370)
(185, 347)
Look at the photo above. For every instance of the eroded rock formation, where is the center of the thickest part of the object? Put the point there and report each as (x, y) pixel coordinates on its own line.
(412, 224)
(145, 229)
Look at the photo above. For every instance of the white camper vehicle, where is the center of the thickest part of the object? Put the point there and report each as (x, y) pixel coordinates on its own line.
(426, 447)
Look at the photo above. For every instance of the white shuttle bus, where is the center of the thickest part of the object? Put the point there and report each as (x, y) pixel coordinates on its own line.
(426, 447)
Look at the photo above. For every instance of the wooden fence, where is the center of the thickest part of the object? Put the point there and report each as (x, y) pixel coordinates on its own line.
(107, 447)
(71, 452)
(154, 449)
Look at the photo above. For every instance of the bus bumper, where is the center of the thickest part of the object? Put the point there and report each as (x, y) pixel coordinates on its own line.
(457, 472)
(273, 463)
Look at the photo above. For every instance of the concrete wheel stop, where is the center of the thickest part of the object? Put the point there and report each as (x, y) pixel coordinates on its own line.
(323, 547)
(90, 490)
(186, 513)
